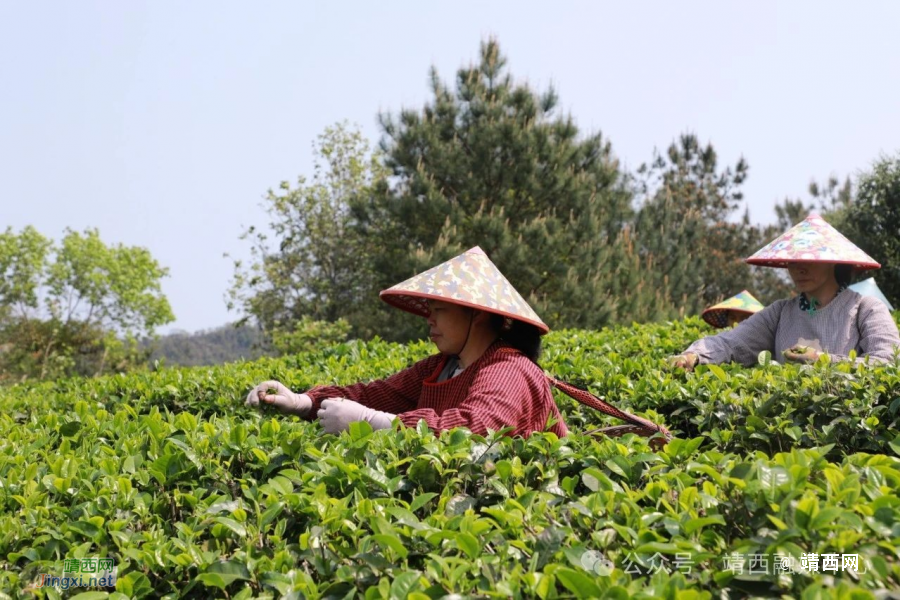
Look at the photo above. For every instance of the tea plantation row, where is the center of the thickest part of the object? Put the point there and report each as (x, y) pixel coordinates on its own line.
(196, 496)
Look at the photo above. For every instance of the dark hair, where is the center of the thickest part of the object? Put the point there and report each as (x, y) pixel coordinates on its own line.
(524, 337)
(843, 274)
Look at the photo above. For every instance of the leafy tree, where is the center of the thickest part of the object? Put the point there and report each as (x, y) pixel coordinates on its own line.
(493, 162)
(116, 288)
(77, 308)
(320, 268)
(23, 258)
(872, 221)
(308, 333)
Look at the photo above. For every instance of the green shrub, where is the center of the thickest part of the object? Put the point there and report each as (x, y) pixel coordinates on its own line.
(195, 495)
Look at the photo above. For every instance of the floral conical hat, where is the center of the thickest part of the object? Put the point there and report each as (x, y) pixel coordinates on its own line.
(470, 279)
(745, 303)
(813, 241)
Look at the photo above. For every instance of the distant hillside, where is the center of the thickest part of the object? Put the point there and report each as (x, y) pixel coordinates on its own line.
(208, 347)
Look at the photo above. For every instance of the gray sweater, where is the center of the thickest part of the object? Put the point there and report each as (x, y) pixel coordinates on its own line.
(849, 322)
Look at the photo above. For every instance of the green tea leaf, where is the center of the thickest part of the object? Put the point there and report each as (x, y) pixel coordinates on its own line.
(578, 583)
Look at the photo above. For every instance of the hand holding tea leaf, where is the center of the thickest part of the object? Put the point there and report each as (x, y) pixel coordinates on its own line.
(685, 361)
(801, 354)
(277, 394)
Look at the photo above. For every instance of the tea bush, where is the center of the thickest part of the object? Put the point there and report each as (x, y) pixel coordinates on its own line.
(195, 495)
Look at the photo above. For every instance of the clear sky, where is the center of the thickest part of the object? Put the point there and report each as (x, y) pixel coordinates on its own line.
(164, 123)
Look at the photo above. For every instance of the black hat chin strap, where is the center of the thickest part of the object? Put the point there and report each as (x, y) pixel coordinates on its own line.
(468, 333)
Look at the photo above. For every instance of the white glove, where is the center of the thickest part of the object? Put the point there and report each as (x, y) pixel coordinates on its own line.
(336, 414)
(278, 395)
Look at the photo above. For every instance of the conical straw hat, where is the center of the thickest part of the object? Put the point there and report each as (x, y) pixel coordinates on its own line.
(812, 241)
(470, 279)
(868, 287)
(745, 303)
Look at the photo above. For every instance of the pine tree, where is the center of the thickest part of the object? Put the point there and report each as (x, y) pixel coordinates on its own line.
(685, 223)
(493, 163)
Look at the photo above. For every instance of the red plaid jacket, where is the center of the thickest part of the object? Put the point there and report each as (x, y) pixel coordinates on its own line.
(500, 389)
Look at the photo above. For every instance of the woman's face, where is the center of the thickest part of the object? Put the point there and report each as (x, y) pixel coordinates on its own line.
(811, 277)
(448, 325)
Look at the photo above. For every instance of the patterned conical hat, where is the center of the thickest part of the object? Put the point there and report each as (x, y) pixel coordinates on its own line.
(470, 279)
(813, 241)
(745, 303)
(868, 287)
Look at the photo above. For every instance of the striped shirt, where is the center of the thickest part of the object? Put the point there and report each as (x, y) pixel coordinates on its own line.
(849, 322)
(500, 389)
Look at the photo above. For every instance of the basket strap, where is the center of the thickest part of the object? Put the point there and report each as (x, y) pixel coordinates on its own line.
(636, 424)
